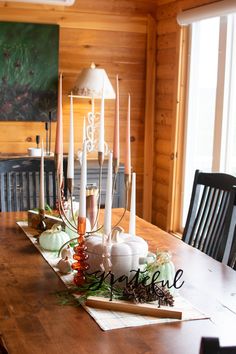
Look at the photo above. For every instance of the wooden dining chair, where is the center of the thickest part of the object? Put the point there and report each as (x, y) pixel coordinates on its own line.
(231, 261)
(212, 346)
(210, 212)
(19, 183)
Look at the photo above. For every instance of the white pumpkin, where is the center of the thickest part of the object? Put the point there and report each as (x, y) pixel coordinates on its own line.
(67, 252)
(127, 252)
(53, 239)
(64, 265)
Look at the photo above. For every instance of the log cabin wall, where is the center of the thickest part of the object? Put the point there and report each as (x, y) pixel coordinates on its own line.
(112, 34)
(165, 151)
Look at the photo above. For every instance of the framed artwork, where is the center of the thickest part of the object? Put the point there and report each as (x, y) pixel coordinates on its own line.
(28, 71)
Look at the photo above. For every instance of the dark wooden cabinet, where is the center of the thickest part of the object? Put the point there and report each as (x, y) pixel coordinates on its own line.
(19, 183)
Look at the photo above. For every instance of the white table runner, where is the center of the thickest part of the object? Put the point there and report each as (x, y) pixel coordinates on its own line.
(106, 319)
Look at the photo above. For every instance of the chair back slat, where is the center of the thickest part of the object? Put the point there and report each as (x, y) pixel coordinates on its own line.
(2, 196)
(14, 192)
(210, 213)
(47, 188)
(210, 210)
(34, 187)
(221, 225)
(21, 191)
(26, 190)
(230, 248)
(194, 238)
(9, 192)
(217, 222)
(232, 255)
(204, 220)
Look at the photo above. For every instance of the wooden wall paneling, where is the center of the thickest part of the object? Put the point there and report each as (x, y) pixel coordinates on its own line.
(73, 19)
(167, 26)
(117, 6)
(149, 119)
(164, 86)
(115, 41)
(178, 138)
(166, 65)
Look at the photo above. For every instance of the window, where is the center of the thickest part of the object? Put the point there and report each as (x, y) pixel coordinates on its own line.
(210, 132)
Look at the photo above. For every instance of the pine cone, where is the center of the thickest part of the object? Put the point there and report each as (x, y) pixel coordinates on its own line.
(136, 293)
(167, 299)
(141, 293)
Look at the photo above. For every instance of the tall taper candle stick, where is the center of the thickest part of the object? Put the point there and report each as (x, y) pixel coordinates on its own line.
(127, 147)
(46, 129)
(42, 225)
(132, 220)
(41, 191)
(101, 133)
(108, 202)
(83, 183)
(50, 133)
(84, 130)
(116, 139)
(70, 166)
(59, 136)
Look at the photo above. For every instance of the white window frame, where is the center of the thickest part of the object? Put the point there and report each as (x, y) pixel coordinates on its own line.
(223, 106)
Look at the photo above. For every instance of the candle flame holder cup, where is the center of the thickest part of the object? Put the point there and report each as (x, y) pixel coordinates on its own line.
(92, 205)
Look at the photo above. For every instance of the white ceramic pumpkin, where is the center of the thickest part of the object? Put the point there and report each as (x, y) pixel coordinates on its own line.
(64, 265)
(127, 252)
(53, 239)
(67, 252)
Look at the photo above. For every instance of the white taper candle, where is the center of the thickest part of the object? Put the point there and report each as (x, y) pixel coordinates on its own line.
(70, 166)
(83, 183)
(127, 147)
(41, 191)
(116, 139)
(108, 202)
(84, 130)
(101, 126)
(132, 220)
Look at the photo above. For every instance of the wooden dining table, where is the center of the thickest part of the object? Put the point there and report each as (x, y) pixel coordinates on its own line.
(32, 321)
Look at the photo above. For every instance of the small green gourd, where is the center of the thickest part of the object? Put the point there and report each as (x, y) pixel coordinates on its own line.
(53, 239)
(165, 266)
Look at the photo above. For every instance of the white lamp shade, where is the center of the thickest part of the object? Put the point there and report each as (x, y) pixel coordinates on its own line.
(90, 84)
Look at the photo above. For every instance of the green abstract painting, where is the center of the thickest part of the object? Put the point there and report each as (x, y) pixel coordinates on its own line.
(28, 71)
